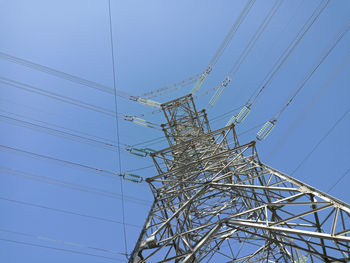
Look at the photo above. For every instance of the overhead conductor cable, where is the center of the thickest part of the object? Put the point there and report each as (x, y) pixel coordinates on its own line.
(269, 125)
(75, 79)
(222, 47)
(170, 88)
(244, 53)
(141, 122)
(119, 162)
(277, 66)
(72, 186)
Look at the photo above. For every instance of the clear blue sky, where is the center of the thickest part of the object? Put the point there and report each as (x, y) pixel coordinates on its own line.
(156, 43)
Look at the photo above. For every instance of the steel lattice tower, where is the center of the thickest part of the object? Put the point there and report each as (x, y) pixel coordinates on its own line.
(214, 201)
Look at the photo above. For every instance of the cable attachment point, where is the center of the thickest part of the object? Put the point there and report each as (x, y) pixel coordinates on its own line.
(148, 102)
(226, 81)
(208, 70)
(201, 80)
(219, 91)
(133, 98)
(128, 118)
(236, 119)
(142, 152)
(132, 178)
(265, 130)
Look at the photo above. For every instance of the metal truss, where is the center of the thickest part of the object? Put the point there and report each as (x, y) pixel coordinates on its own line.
(214, 201)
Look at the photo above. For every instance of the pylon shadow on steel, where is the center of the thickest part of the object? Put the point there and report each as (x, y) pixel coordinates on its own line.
(214, 201)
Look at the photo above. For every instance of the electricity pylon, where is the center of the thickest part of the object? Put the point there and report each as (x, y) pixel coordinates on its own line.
(214, 201)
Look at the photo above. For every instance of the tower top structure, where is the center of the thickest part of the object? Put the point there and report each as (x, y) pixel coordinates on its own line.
(214, 201)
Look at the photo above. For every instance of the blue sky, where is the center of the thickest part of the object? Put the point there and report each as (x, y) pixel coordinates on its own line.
(56, 205)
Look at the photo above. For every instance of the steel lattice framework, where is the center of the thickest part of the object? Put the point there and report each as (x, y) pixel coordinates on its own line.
(214, 201)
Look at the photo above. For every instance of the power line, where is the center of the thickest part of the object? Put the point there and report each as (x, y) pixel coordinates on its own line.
(80, 103)
(72, 186)
(141, 168)
(69, 100)
(104, 172)
(244, 114)
(107, 173)
(339, 180)
(223, 46)
(117, 122)
(276, 67)
(321, 140)
(56, 96)
(157, 139)
(85, 105)
(59, 133)
(231, 33)
(99, 140)
(250, 129)
(68, 243)
(321, 59)
(170, 88)
(92, 84)
(328, 83)
(63, 134)
(83, 139)
(260, 30)
(52, 124)
(76, 79)
(64, 211)
(288, 51)
(59, 249)
(223, 115)
(269, 125)
(60, 74)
